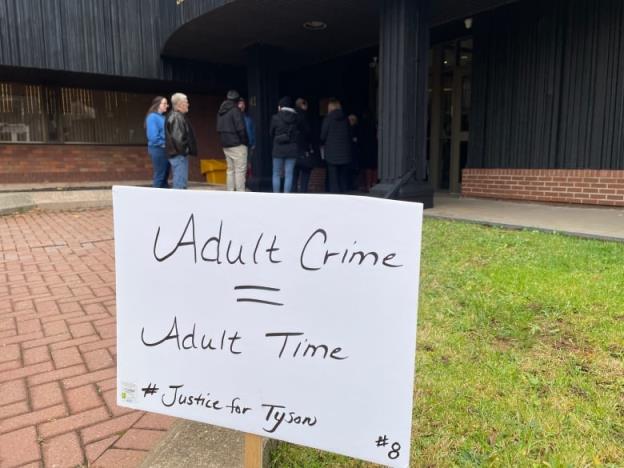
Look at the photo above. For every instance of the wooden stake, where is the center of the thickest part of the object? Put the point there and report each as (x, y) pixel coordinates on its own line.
(253, 451)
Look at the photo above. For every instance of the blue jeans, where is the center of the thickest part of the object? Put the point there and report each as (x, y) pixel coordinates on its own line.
(288, 166)
(180, 168)
(160, 164)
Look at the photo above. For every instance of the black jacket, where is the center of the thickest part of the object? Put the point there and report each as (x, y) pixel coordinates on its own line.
(231, 125)
(305, 158)
(304, 137)
(179, 135)
(285, 128)
(336, 137)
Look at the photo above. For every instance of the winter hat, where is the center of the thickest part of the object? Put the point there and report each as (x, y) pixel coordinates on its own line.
(286, 101)
(233, 95)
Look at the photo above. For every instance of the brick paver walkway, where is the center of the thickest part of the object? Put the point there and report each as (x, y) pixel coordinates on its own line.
(57, 346)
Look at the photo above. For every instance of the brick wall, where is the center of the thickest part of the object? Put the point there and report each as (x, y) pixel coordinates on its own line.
(588, 187)
(32, 164)
(317, 180)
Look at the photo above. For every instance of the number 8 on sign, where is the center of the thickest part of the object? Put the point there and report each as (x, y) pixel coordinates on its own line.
(394, 453)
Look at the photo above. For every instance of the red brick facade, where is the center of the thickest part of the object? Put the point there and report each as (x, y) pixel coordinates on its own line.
(32, 164)
(36, 164)
(589, 187)
(317, 180)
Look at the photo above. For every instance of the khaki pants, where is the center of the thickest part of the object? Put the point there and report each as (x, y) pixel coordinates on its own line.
(236, 158)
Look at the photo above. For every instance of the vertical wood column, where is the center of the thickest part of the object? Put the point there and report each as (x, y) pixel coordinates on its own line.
(263, 88)
(404, 47)
(456, 129)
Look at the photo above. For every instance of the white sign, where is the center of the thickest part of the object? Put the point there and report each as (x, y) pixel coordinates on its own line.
(288, 316)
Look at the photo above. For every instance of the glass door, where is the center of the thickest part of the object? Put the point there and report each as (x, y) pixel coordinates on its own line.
(449, 123)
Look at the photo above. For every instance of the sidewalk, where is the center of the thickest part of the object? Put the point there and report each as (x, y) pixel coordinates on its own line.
(58, 346)
(583, 221)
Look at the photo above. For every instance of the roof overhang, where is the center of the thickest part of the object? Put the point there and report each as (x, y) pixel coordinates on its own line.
(223, 33)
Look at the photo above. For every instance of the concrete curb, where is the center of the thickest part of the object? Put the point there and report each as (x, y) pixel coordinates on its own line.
(201, 446)
(72, 198)
(520, 227)
(19, 202)
(16, 203)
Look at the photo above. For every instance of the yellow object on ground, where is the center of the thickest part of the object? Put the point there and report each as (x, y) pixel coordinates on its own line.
(214, 170)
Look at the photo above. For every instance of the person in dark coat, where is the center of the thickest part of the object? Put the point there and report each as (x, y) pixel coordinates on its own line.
(179, 140)
(305, 157)
(337, 147)
(284, 132)
(234, 140)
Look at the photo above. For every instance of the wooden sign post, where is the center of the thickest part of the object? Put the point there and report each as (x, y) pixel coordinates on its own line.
(254, 451)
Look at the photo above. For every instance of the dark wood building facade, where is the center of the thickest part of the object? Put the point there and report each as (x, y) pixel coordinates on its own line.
(526, 98)
(547, 119)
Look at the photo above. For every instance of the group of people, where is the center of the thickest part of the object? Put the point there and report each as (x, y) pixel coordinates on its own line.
(293, 149)
(171, 141)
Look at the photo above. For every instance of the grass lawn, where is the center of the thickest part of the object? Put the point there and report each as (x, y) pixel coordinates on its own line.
(520, 355)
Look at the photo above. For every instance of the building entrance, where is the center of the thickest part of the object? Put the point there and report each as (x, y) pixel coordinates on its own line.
(450, 86)
(352, 79)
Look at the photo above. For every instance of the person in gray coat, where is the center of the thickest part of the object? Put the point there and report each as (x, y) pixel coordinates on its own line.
(337, 147)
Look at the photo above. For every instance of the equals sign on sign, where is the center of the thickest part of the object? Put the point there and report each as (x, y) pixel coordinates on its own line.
(251, 289)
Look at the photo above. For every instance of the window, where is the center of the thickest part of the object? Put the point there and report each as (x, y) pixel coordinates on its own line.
(41, 114)
(23, 113)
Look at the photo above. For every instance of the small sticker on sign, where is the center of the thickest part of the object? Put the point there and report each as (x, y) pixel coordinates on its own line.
(128, 392)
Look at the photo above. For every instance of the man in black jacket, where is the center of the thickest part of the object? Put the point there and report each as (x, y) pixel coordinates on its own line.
(179, 140)
(234, 140)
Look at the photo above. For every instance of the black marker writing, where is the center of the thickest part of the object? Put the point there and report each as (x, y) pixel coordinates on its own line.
(237, 259)
(278, 417)
(192, 341)
(255, 260)
(236, 408)
(190, 222)
(303, 348)
(150, 390)
(317, 252)
(178, 398)
(272, 249)
(346, 256)
(218, 249)
(255, 299)
(217, 241)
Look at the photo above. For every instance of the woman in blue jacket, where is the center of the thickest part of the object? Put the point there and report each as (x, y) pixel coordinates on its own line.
(155, 128)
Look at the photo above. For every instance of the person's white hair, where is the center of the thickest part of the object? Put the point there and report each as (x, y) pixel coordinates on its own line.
(177, 98)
